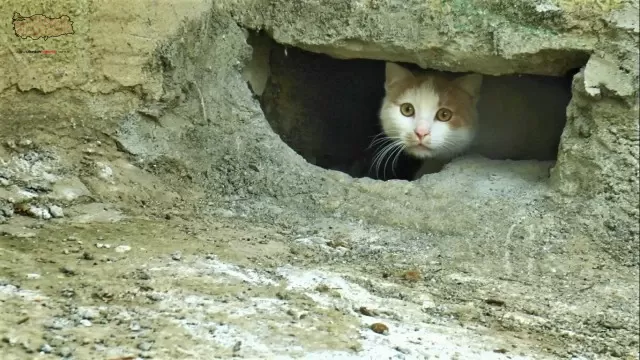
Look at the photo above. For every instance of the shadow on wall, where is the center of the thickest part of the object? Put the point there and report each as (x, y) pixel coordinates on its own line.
(326, 110)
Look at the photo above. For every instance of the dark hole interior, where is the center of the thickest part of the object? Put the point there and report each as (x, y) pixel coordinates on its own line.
(326, 109)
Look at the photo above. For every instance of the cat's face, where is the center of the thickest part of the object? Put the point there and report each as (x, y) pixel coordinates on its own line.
(429, 116)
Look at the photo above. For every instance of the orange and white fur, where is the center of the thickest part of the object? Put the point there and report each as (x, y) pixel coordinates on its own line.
(427, 116)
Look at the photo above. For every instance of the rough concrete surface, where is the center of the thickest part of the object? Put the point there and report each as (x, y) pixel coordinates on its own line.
(148, 209)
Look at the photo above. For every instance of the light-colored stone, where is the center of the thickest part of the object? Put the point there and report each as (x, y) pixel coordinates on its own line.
(56, 211)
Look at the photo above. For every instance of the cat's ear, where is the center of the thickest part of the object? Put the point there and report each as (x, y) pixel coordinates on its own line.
(395, 73)
(470, 83)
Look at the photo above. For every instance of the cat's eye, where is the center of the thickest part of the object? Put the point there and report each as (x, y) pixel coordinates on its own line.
(444, 114)
(407, 109)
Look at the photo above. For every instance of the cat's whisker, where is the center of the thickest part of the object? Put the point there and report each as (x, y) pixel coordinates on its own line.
(384, 154)
(393, 149)
(375, 161)
(381, 140)
(377, 135)
(381, 154)
(389, 143)
(395, 159)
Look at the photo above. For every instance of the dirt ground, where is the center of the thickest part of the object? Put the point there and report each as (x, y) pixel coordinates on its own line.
(139, 268)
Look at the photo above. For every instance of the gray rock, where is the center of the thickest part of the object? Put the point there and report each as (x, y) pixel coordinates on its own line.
(46, 348)
(56, 211)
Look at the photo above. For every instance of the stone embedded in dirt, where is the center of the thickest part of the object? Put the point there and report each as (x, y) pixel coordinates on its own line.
(46, 348)
(154, 297)
(87, 313)
(104, 171)
(135, 326)
(367, 312)
(122, 248)
(177, 256)
(380, 328)
(403, 350)
(25, 143)
(495, 302)
(56, 211)
(38, 212)
(68, 292)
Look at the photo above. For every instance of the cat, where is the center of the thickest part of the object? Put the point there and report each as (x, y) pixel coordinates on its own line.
(428, 116)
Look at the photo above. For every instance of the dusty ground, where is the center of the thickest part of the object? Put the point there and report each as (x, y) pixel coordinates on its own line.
(179, 277)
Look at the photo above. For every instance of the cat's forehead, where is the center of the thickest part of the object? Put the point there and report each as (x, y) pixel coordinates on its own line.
(421, 89)
(429, 91)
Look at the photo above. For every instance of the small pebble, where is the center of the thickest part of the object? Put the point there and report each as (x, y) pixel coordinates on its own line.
(177, 256)
(103, 246)
(135, 326)
(154, 297)
(122, 248)
(55, 324)
(46, 348)
(367, 312)
(85, 322)
(380, 328)
(33, 276)
(145, 346)
(237, 346)
(4, 182)
(87, 313)
(68, 292)
(25, 142)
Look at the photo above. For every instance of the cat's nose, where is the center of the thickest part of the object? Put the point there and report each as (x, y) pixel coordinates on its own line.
(421, 132)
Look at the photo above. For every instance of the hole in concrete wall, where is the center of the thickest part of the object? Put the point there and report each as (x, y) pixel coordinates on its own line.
(326, 109)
